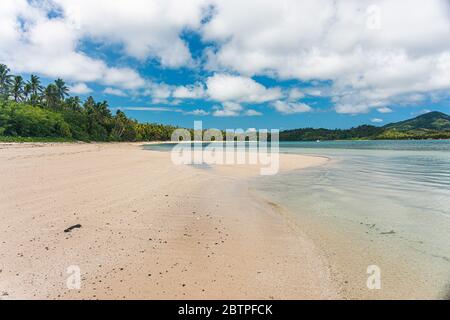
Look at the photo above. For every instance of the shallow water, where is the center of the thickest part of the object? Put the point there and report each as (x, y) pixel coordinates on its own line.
(384, 203)
(391, 202)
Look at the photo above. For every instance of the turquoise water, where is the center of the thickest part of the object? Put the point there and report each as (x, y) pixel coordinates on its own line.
(412, 145)
(375, 202)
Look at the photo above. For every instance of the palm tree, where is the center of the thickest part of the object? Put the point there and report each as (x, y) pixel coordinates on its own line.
(5, 81)
(63, 90)
(27, 91)
(17, 88)
(36, 88)
(73, 103)
(103, 111)
(51, 96)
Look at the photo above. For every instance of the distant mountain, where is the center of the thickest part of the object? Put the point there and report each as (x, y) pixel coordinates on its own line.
(432, 125)
(429, 121)
(426, 126)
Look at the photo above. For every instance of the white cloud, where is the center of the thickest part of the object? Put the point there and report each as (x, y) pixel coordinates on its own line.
(115, 92)
(146, 29)
(352, 108)
(384, 110)
(219, 87)
(123, 77)
(226, 87)
(228, 109)
(314, 92)
(376, 120)
(295, 94)
(80, 88)
(330, 41)
(290, 107)
(189, 92)
(159, 92)
(251, 113)
(32, 42)
(197, 112)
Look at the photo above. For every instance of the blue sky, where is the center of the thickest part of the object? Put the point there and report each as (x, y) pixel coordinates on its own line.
(289, 64)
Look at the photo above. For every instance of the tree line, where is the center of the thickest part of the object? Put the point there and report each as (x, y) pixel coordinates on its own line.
(29, 109)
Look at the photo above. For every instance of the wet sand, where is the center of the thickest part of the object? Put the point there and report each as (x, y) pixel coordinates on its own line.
(149, 229)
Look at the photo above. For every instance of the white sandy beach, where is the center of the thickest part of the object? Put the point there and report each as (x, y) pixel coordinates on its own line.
(149, 229)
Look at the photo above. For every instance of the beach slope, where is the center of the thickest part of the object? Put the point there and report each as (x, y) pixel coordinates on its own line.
(148, 229)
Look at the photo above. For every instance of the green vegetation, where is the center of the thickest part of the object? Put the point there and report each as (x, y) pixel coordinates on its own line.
(432, 125)
(31, 112)
(34, 139)
(431, 121)
(310, 134)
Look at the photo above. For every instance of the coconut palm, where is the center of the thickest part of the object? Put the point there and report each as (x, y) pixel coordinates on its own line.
(17, 88)
(73, 103)
(51, 96)
(27, 91)
(63, 90)
(5, 81)
(36, 88)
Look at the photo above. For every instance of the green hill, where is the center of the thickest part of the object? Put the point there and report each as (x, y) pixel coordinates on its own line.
(429, 121)
(432, 125)
(429, 125)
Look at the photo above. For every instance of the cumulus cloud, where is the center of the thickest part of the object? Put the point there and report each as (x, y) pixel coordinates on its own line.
(226, 87)
(352, 108)
(219, 87)
(32, 42)
(189, 92)
(158, 92)
(295, 94)
(336, 41)
(384, 110)
(80, 88)
(251, 113)
(376, 120)
(290, 107)
(228, 109)
(114, 92)
(123, 77)
(146, 29)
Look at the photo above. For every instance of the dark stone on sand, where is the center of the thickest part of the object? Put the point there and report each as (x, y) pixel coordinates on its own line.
(76, 226)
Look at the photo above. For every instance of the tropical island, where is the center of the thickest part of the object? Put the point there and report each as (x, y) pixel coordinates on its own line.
(32, 112)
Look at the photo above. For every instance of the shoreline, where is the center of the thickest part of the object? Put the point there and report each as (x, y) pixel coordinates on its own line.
(149, 229)
(352, 243)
